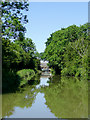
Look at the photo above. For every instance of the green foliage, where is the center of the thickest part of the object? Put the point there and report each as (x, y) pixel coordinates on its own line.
(18, 52)
(67, 51)
(76, 62)
(25, 75)
(15, 56)
(10, 54)
(41, 56)
(55, 49)
(13, 19)
(52, 71)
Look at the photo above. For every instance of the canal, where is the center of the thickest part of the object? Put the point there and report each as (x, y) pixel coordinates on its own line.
(48, 97)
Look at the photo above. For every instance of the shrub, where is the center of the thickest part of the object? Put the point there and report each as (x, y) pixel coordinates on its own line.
(25, 75)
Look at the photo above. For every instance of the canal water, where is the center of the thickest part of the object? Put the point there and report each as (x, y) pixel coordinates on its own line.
(48, 97)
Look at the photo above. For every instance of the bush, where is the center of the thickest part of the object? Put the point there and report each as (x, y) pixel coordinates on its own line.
(53, 71)
(25, 75)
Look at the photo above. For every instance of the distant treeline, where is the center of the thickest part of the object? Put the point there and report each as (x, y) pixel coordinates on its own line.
(67, 51)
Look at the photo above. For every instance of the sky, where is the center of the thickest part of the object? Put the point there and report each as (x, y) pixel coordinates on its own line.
(48, 17)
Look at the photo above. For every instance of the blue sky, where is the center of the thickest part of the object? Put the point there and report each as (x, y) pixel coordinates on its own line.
(48, 17)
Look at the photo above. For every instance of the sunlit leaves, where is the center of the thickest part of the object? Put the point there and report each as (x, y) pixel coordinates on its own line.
(67, 50)
(13, 18)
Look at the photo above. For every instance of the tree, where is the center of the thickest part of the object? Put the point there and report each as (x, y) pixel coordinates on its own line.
(67, 51)
(13, 19)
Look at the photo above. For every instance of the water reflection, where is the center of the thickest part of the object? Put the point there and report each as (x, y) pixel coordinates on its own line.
(68, 98)
(38, 109)
(20, 99)
(43, 81)
(56, 97)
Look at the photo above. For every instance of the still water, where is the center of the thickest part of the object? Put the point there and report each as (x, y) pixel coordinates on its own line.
(56, 97)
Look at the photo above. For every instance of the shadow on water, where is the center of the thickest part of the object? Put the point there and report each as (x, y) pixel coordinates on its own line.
(35, 80)
(10, 81)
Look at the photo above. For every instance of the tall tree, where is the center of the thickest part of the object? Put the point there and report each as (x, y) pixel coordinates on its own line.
(13, 19)
(67, 50)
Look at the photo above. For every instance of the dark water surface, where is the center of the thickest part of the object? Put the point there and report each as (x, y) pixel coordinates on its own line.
(54, 97)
